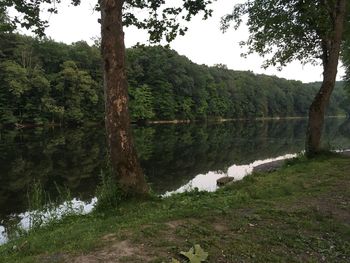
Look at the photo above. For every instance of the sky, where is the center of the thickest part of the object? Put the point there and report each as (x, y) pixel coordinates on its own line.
(204, 43)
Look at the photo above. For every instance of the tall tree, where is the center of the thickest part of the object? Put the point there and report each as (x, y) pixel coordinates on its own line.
(346, 60)
(305, 30)
(117, 119)
(114, 15)
(161, 22)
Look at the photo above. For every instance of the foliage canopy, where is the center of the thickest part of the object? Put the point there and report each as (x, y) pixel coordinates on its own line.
(161, 20)
(285, 30)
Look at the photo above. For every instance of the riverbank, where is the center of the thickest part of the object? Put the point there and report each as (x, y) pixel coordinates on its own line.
(298, 213)
(150, 122)
(213, 120)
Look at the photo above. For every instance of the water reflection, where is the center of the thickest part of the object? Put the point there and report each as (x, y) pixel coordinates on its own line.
(24, 221)
(71, 158)
(208, 181)
(171, 155)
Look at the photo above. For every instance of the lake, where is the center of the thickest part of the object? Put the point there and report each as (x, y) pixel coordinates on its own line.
(171, 155)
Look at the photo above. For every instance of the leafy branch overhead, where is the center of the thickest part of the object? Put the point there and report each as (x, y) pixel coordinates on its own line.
(161, 20)
(285, 30)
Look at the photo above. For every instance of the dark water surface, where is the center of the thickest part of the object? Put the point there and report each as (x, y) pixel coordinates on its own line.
(171, 155)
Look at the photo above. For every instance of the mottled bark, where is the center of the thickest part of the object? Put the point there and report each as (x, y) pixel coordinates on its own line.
(331, 50)
(123, 156)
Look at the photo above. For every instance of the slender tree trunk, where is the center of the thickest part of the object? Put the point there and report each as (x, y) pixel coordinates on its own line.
(331, 51)
(123, 156)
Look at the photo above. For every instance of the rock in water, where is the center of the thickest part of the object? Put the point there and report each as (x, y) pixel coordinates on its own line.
(269, 167)
(224, 180)
(345, 153)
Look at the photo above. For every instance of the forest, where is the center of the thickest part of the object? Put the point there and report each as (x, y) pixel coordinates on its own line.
(46, 82)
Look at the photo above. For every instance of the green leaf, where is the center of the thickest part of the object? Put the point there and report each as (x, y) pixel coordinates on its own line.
(201, 253)
(199, 256)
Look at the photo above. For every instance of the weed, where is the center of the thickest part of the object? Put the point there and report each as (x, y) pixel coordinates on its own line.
(108, 193)
(37, 200)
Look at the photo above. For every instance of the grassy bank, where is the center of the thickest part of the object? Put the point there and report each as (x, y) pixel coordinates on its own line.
(298, 214)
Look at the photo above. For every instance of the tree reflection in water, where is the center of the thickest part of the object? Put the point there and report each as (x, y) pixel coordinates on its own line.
(171, 155)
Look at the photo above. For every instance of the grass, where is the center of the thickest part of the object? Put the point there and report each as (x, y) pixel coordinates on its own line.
(300, 213)
(108, 193)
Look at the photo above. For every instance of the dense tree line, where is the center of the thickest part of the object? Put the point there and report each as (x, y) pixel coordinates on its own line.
(42, 81)
(45, 81)
(180, 89)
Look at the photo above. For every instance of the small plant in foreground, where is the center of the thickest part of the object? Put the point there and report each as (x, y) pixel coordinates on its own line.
(108, 193)
(37, 199)
(194, 255)
(42, 208)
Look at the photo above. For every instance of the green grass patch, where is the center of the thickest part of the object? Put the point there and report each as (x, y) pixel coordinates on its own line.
(299, 213)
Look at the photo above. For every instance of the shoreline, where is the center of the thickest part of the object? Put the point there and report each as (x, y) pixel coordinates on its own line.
(219, 120)
(161, 122)
(309, 195)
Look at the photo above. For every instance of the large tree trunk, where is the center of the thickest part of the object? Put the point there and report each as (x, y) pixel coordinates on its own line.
(122, 153)
(331, 49)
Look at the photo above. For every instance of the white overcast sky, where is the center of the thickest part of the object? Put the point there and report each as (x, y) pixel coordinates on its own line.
(204, 43)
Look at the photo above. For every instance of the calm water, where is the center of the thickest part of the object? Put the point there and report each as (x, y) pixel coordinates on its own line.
(172, 156)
